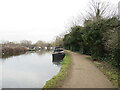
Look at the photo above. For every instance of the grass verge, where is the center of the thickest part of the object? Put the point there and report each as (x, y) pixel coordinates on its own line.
(109, 71)
(58, 79)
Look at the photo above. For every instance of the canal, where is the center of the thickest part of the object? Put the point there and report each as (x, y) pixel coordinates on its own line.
(29, 70)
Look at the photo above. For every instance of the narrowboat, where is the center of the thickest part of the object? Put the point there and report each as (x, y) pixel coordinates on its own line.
(58, 53)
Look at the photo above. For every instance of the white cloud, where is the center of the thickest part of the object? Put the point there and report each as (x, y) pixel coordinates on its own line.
(37, 19)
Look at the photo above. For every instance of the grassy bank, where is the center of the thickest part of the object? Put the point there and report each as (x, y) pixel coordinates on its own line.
(108, 70)
(57, 80)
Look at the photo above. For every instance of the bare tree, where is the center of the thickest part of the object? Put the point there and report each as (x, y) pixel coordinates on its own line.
(0, 50)
(58, 41)
(119, 10)
(40, 43)
(74, 21)
(98, 10)
(26, 43)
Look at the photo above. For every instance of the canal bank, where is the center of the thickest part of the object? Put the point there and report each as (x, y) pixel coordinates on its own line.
(57, 80)
(83, 74)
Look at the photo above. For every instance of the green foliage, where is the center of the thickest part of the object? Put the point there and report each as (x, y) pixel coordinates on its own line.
(73, 40)
(92, 39)
(111, 72)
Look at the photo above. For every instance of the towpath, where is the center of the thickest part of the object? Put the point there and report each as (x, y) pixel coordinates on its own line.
(84, 74)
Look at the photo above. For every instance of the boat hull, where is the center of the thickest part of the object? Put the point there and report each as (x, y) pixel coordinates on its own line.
(58, 56)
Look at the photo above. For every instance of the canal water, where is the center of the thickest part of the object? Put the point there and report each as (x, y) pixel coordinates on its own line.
(29, 70)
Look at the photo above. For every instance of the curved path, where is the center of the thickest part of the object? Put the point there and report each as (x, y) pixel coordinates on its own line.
(84, 74)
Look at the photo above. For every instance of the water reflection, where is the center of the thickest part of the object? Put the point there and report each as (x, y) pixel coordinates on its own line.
(57, 59)
(7, 56)
(57, 62)
(40, 52)
(29, 70)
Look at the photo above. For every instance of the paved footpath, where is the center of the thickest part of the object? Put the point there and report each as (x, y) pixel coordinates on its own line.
(84, 74)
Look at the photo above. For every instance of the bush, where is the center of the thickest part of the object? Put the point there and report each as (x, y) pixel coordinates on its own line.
(97, 38)
(9, 51)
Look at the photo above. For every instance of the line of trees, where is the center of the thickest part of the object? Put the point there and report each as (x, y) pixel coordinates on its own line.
(13, 48)
(98, 36)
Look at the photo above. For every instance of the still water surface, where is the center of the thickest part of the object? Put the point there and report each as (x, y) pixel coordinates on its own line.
(30, 70)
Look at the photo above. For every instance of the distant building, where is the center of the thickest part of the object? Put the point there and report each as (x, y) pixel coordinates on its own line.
(51, 47)
(45, 48)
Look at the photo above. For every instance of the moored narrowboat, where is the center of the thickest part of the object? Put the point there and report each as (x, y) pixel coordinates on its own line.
(58, 54)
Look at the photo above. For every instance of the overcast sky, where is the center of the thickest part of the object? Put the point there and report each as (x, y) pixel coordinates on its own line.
(37, 19)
